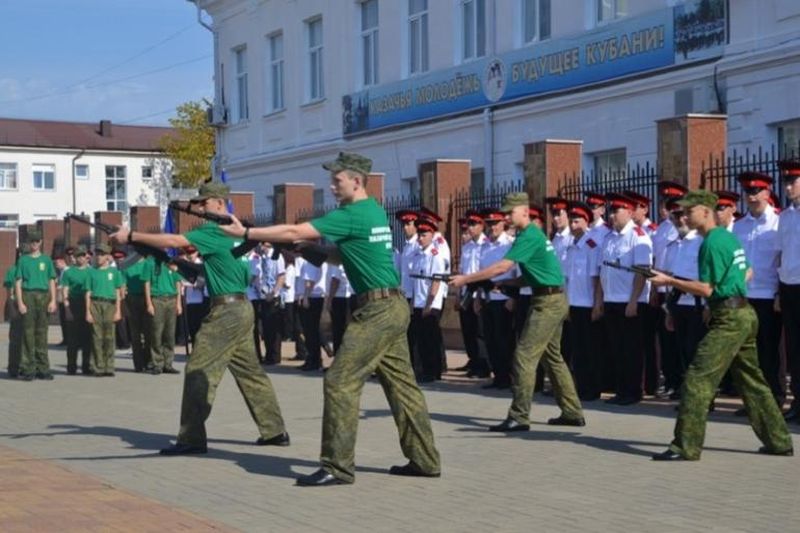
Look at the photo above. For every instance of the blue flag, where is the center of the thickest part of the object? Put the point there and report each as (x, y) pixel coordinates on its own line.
(169, 227)
(224, 179)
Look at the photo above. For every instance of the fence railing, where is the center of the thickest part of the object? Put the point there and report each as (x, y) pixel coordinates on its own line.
(640, 178)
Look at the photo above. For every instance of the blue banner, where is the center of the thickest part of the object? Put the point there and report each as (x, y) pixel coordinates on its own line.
(689, 32)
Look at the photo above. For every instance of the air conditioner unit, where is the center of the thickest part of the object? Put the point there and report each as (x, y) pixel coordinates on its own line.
(217, 115)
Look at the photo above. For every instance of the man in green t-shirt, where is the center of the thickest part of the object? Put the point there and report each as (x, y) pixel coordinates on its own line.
(729, 343)
(35, 292)
(541, 335)
(14, 319)
(103, 288)
(163, 303)
(225, 339)
(138, 319)
(375, 339)
(74, 283)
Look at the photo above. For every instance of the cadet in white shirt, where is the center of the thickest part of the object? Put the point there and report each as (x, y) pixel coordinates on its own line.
(337, 301)
(561, 239)
(403, 258)
(273, 277)
(623, 296)
(313, 280)
(292, 311)
(758, 233)
(725, 213)
(254, 296)
(789, 274)
(196, 294)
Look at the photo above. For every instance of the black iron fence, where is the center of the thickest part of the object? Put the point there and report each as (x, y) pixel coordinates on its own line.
(640, 178)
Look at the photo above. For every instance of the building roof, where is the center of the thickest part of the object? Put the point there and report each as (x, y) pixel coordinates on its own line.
(80, 135)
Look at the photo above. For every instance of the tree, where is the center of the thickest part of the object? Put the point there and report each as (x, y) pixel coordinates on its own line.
(191, 147)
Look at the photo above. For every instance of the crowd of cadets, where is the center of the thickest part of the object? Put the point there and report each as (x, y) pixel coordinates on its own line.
(623, 336)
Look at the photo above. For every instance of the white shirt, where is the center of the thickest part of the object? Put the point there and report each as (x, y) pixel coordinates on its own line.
(631, 246)
(254, 287)
(492, 252)
(344, 290)
(561, 241)
(299, 285)
(194, 292)
(648, 227)
(444, 249)
(316, 275)
(759, 238)
(581, 267)
(427, 262)
(470, 257)
(681, 259)
(288, 283)
(789, 244)
(403, 263)
(665, 234)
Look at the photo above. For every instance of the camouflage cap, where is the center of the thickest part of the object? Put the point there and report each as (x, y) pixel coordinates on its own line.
(33, 235)
(212, 189)
(349, 161)
(79, 250)
(103, 249)
(513, 199)
(699, 197)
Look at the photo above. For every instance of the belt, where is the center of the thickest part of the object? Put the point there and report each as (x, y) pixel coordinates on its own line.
(546, 291)
(35, 290)
(377, 294)
(96, 299)
(164, 297)
(223, 299)
(734, 302)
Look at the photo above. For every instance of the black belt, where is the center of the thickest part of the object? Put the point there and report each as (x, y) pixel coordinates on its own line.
(223, 299)
(734, 302)
(164, 297)
(377, 294)
(97, 299)
(546, 291)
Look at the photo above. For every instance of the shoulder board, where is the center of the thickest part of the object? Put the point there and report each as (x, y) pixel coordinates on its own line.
(440, 239)
(653, 226)
(639, 231)
(434, 251)
(590, 243)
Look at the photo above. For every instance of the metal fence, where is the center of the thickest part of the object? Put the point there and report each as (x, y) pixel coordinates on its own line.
(640, 178)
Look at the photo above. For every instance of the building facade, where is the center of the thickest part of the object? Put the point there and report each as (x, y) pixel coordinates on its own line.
(49, 169)
(410, 81)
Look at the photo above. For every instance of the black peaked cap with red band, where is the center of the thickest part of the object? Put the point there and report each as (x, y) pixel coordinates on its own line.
(556, 203)
(406, 215)
(790, 169)
(640, 199)
(616, 199)
(755, 179)
(671, 189)
(727, 198)
(427, 213)
(580, 209)
(595, 199)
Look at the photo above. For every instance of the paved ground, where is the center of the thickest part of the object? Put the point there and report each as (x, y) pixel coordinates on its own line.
(104, 434)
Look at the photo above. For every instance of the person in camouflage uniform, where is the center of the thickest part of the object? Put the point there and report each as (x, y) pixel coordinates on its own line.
(225, 338)
(14, 320)
(35, 293)
(729, 343)
(79, 333)
(103, 311)
(374, 341)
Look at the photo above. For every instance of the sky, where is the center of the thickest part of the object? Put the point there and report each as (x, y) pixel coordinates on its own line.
(128, 61)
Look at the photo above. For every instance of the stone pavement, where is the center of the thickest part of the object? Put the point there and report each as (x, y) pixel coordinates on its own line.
(107, 432)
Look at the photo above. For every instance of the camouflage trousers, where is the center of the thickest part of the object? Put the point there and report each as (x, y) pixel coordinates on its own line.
(34, 333)
(729, 343)
(103, 336)
(225, 341)
(14, 345)
(541, 339)
(375, 341)
(139, 324)
(162, 332)
(79, 335)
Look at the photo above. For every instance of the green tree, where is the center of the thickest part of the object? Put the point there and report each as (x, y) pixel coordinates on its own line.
(191, 147)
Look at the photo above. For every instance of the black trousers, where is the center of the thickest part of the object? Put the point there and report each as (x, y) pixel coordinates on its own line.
(474, 341)
(428, 338)
(689, 331)
(194, 316)
(624, 337)
(122, 331)
(311, 318)
(293, 329)
(272, 329)
(62, 322)
(671, 358)
(768, 342)
(340, 316)
(499, 330)
(256, 327)
(649, 321)
(586, 358)
(790, 310)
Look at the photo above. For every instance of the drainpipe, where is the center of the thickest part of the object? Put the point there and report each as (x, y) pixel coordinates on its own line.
(74, 199)
(217, 78)
(488, 113)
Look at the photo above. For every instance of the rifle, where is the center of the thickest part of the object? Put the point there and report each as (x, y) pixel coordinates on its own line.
(487, 285)
(188, 270)
(644, 271)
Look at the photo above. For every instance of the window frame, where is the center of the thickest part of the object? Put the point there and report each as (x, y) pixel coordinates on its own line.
(539, 22)
(619, 9)
(418, 17)
(276, 73)
(149, 168)
(113, 204)
(780, 138)
(315, 61)
(36, 167)
(369, 46)
(3, 179)
(8, 223)
(241, 82)
(611, 173)
(85, 177)
(471, 21)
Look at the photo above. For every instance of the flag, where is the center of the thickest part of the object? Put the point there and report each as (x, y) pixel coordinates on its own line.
(169, 227)
(224, 179)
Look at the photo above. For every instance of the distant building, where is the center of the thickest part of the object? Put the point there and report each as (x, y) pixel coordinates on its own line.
(48, 168)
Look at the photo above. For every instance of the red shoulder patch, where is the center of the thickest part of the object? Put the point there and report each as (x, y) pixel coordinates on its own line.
(434, 251)
(653, 226)
(590, 243)
(639, 231)
(440, 239)
(608, 225)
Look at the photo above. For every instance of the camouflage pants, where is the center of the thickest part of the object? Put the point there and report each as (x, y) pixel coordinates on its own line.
(14, 345)
(375, 341)
(541, 339)
(225, 340)
(139, 324)
(730, 342)
(162, 332)
(103, 336)
(34, 333)
(79, 333)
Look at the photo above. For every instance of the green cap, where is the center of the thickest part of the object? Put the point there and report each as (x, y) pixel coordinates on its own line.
(349, 161)
(513, 199)
(212, 189)
(33, 235)
(103, 249)
(79, 250)
(699, 197)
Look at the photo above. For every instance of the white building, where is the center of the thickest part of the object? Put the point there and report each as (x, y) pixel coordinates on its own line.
(49, 169)
(477, 79)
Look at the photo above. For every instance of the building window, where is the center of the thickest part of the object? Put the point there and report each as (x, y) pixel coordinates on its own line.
(610, 165)
(535, 20)
(242, 109)
(116, 189)
(319, 200)
(789, 139)
(8, 176)
(418, 36)
(9, 221)
(608, 10)
(81, 172)
(473, 31)
(316, 87)
(276, 72)
(44, 177)
(477, 180)
(409, 186)
(147, 173)
(369, 42)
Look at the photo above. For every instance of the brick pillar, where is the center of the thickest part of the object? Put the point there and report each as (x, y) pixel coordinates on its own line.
(183, 222)
(292, 199)
(685, 142)
(547, 162)
(375, 184)
(146, 218)
(23, 230)
(113, 218)
(243, 204)
(52, 236)
(8, 249)
(76, 232)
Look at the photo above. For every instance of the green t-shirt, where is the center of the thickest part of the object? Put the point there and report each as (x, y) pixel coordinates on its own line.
(132, 276)
(536, 258)
(35, 272)
(162, 279)
(361, 231)
(76, 280)
(722, 264)
(224, 273)
(104, 282)
(11, 276)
